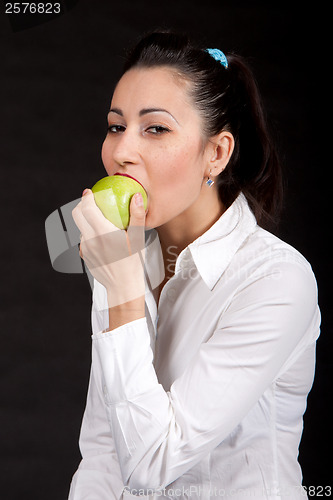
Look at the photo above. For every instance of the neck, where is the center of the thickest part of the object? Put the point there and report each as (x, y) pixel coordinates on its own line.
(178, 233)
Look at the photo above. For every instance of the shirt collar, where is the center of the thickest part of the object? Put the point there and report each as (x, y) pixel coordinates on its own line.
(212, 251)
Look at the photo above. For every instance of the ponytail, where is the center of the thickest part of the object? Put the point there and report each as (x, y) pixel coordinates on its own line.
(254, 167)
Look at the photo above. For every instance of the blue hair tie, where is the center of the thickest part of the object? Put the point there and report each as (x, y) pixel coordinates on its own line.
(218, 56)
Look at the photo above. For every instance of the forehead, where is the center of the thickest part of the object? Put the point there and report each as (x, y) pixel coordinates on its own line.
(158, 86)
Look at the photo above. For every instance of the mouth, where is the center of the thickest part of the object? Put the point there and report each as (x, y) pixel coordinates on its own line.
(130, 176)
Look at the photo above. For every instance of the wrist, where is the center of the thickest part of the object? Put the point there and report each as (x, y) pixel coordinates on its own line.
(120, 314)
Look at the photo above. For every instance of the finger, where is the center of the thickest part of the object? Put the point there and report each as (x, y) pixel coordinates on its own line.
(94, 215)
(80, 220)
(135, 230)
(137, 211)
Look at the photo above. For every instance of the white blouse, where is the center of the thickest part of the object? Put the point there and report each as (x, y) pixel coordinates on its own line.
(204, 397)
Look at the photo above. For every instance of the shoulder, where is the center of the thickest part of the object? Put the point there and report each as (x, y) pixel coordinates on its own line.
(276, 270)
(275, 287)
(261, 253)
(266, 251)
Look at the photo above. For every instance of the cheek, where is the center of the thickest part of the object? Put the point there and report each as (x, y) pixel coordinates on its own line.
(179, 161)
(106, 157)
(104, 153)
(183, 168)
(176, 178)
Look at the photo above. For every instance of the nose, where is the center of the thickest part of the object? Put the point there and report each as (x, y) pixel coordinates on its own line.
(126, 150)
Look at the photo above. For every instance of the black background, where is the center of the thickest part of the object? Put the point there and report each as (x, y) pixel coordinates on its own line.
(57, 76)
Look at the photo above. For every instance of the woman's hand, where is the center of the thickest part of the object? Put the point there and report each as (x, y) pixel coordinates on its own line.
(114, 257)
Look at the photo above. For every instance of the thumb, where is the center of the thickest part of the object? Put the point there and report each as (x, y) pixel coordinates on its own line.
(137, 211)
(135, 230)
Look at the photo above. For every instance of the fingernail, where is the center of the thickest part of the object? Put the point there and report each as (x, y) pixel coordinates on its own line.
(85, 192)
(139, 200)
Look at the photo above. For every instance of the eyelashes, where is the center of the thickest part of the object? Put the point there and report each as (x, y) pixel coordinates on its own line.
(113, 129)
(159, 129)
(153, 129)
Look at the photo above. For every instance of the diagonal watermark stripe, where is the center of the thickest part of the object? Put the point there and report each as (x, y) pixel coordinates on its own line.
(63, 242)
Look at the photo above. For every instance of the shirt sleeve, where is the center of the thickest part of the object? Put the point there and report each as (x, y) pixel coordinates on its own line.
(98, 475)
(160, 435)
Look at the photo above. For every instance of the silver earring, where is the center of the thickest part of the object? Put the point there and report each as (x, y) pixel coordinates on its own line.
(209, 181)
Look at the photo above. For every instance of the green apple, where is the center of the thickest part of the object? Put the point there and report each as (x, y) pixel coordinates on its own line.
(113, 195)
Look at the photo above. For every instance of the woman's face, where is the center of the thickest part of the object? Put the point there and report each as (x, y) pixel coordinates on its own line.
(155, 135)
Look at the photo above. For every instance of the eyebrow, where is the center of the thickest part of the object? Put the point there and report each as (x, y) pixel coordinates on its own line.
(144, 111)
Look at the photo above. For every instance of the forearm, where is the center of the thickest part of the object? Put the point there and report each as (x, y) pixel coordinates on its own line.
(125, 313)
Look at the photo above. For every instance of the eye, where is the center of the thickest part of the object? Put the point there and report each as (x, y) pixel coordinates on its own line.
(114, 129)
(158, 129)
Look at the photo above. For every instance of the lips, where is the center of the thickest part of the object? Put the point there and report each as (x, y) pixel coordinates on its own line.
(127, 175)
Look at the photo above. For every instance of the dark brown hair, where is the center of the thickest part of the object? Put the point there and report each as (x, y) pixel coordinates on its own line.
(227, 99)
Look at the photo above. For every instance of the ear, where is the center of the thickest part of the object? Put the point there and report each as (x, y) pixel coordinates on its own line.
(222, 146)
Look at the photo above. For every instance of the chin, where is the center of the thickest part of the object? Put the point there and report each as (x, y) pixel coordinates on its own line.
(150, 222)
(159, 217)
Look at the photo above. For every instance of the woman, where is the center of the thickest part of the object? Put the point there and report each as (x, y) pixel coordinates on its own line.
(200, 373)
